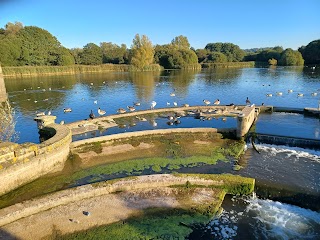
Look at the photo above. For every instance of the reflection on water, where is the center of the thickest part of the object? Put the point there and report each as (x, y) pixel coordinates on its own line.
(111, 91)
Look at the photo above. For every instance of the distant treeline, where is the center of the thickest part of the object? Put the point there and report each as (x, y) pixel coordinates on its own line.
(32, 46)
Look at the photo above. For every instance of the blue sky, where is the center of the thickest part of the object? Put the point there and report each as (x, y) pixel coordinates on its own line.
(249, 24)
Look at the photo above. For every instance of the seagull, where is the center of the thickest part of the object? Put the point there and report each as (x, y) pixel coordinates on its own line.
(95, 102)
(175, 103)
(67, 110)
(248, 102)
(136, 104)
(186, 105)
(314, 94)
(269, 94)
(91, 115)
(216, 102)
(172, 94)
(49, 112)
(206, 102)
(168, 104)
(101, 112)
(153, 104)
(300, 95)
(279, 93)
(290, 91)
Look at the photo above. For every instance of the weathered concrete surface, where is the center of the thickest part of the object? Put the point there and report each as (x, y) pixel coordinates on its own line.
(27, 162)
(79, 127)
(245, 120)
(34, 219)
(142, 133)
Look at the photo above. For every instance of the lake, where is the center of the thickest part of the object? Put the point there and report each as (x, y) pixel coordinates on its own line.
(280, 171)
(111, 91)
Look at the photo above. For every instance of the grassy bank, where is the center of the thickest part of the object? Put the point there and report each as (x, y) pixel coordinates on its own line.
(74, 69)
(228, 65)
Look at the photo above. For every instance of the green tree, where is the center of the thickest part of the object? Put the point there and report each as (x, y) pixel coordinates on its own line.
(217, 57)
(180, 42)
(202, 55)
(76, 53)
(290, 57)
(91, 55)
(142, 52)
(112, 53)
(64, 57)
(232, 51)
(39, 47)
(311, 52)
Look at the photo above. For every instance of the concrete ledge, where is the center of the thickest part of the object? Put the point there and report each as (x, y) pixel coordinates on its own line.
(30, 207)
(142, 133)
(27, 162)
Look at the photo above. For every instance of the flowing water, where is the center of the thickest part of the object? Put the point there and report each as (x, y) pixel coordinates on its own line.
(288, 178)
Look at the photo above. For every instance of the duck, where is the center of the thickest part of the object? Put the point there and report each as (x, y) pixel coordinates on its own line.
(101, 112)
(91, 115)
(314, 94)
(121, 110)
(95, 102)
(206, 102)
(136, 103)
(290, 91)
(279, 93)
(248, 102)
(131, 109)
(269, 94)
(172, 94)
(216, 102)
(67, 110)
(168, 104)
(300, 94)
(153, 104)
(186, 105)
(175, 104)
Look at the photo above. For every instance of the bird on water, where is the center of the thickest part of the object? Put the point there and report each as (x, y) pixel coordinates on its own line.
(153, 104)
(248, 102)
(91, 115)
(101, 112)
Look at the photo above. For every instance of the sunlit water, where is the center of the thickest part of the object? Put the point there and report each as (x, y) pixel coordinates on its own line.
(282, 169)
(118, 90)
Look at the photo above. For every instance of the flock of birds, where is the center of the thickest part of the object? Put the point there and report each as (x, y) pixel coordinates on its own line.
(153, 104)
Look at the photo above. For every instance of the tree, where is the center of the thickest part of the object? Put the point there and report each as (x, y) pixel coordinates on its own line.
(202, 55)
(272, 62)
(112, 53)
(180, 42)
(76, 53)
(13, 28)
(217, 57)
(142, 52)
(311, 53)
(290, 57)
(232, 51)
(64, 57)
(91, 55)
(39, 47)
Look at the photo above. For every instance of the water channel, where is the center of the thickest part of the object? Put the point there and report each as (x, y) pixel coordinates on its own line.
(288, 178)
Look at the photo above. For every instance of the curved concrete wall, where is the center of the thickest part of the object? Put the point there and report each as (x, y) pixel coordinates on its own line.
(27, 162)
(143, 133)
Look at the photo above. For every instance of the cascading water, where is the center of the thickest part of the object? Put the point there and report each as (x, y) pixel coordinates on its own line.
(254, 218)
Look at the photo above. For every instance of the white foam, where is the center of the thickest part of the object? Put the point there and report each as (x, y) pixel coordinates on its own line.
(290, 151)
(284, 221)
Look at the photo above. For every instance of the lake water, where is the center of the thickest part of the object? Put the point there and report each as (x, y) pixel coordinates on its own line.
(287, 178)
(118, 90)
